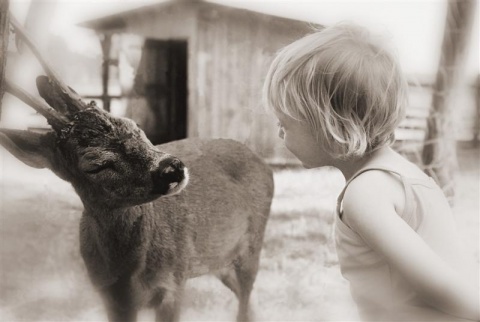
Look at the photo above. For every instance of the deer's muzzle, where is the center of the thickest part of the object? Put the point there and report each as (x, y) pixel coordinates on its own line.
(170, 177)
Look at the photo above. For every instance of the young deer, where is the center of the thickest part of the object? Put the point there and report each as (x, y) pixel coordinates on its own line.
(144, 230)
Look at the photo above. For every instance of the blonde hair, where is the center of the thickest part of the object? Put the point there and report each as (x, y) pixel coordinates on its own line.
(344, 84)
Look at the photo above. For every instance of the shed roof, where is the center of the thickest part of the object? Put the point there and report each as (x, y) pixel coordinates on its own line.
(119, 20)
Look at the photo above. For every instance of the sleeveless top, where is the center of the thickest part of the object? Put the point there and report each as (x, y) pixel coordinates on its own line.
(378, 290)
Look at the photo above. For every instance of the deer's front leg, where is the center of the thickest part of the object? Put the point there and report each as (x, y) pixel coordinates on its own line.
(120, 314)
(120, 305)
(168, 306)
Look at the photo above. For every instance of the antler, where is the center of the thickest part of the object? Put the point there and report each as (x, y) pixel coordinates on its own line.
(54, 119)
(67, 94)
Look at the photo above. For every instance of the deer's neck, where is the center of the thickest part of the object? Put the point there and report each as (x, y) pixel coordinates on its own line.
(110, 214)
(124, 225)
(112, 241)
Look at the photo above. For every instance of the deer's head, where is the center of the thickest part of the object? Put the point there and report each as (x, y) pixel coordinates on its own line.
(108, 160)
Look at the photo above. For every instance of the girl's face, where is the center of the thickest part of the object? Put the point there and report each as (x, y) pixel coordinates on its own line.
(301, 142)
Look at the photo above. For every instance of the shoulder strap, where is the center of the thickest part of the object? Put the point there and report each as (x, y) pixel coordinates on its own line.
(407, 212)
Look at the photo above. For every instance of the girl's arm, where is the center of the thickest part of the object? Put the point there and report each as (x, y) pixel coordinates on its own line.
(369, 209)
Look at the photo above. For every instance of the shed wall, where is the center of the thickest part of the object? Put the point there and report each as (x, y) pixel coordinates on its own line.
(234, 49)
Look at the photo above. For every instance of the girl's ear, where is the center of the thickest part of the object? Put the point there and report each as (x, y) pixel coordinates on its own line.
(33, 149)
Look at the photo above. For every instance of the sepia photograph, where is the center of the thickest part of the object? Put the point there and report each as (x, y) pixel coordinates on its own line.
(239, 160)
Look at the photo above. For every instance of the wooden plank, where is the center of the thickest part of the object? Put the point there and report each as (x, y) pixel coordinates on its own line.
(421, 112)
(99, 97)
(409, 134)
(414, 126)
(414, 123)
(476, 127)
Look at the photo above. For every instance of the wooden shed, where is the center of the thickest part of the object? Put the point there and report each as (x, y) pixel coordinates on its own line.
(201, 70)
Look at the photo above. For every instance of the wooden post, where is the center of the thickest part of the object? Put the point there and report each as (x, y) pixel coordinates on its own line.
(4, 34)
(476, 129)
(106, 42)
(439, 151)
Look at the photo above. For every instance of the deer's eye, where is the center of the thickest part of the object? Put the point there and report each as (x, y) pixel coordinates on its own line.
(97, 168)
(95, 161)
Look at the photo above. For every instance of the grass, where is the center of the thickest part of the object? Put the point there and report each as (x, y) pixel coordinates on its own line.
(43, 277)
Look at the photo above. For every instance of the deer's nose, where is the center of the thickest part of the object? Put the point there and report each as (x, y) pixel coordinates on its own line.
(168, 175)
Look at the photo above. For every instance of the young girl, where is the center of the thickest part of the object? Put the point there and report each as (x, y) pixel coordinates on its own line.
(338, 96)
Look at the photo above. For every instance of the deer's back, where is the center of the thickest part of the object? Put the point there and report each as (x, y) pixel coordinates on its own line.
(225, 206)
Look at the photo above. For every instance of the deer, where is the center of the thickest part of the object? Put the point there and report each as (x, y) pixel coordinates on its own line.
(154, 216)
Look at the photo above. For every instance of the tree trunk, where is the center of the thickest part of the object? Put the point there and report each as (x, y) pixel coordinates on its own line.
(439, 151)
(4, 34)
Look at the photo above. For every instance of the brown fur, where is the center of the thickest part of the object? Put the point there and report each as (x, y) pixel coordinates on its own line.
(139, 247)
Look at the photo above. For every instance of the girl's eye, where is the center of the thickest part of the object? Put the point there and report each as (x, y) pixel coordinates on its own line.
(279, 125)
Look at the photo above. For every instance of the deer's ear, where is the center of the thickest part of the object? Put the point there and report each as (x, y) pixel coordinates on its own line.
(33, 149)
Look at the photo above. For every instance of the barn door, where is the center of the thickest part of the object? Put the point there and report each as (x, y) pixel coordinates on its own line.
(162, 76)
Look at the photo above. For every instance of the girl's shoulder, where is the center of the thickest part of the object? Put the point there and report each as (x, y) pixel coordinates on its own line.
(375, 187)
(392, 163)
(388, 174)
(385, 182)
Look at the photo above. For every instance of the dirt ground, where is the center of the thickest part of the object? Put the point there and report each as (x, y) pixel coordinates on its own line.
(43, 278)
